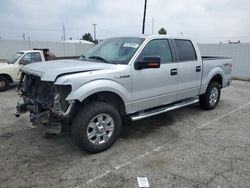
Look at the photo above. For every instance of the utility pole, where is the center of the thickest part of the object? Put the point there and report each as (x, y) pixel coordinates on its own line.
(29, 41)
(94, 31)
(24, 35)
(144, 17)
(153, 23)
(64, 37)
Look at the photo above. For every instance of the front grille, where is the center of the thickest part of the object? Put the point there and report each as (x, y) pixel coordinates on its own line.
(40, 91)
(43, 93)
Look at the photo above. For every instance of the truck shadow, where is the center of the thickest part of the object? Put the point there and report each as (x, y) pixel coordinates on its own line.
(142, 128)
(33, 142)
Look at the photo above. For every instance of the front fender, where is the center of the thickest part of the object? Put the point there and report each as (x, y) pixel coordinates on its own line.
(98, 86)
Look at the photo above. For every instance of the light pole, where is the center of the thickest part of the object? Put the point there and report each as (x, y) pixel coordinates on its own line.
(144, 17)
(94, 31)
(153, 23)
(63, 29)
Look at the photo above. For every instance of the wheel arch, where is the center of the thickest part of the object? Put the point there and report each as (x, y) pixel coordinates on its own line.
(108, 97)
(7, 76)
(216, 74)
(103, 89)
(217, 78)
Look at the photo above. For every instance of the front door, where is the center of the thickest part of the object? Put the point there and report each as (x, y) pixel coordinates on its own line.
(154, 86)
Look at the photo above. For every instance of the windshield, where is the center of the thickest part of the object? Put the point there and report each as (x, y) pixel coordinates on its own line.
(15, 57)
(115, 50)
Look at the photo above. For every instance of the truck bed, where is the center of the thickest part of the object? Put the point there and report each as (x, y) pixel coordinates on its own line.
(215, 64)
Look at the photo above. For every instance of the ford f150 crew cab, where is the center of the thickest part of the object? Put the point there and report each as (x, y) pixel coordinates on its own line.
(135, 77)
(9, 71)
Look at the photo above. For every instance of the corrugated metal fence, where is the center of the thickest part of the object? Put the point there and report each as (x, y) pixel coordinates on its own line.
(239, 52)
(8, 47)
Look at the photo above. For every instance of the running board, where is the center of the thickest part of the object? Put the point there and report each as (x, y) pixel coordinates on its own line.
(149, 113)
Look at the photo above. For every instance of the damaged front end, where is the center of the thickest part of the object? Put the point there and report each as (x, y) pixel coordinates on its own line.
(45, 102)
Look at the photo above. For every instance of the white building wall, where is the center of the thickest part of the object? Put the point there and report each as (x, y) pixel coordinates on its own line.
(239, 52)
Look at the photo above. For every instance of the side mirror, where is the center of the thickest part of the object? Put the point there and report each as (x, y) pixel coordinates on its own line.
(24, 62)
(148, 63)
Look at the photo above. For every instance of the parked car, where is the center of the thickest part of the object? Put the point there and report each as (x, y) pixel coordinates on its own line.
(9, 70)
(135, 77)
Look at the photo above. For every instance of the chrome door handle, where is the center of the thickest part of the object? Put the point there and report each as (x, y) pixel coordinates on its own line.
(198, 68)
(173, 72)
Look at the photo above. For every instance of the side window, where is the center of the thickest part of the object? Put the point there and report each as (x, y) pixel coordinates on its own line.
(31, 58)
(159, 48)
(26, 59)
(35, 57)
(185, 50)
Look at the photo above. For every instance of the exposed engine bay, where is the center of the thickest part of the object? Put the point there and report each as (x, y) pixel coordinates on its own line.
(43, 100)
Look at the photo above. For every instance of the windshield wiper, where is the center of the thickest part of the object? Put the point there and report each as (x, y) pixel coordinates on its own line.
(99, 58)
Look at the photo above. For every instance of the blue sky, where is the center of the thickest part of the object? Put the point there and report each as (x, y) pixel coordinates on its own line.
(204, 20)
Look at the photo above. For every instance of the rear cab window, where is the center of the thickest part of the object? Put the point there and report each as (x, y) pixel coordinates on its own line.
(185, 50)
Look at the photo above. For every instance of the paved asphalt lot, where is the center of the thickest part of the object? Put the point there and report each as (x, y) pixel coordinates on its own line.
(188, 147)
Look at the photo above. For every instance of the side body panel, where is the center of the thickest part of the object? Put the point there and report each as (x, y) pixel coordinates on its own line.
(116, 80)
(189, 75)
(10, 70)
(216, 67)
(152, 87)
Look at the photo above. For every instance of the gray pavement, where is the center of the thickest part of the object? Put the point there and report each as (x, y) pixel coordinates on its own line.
(188, 147)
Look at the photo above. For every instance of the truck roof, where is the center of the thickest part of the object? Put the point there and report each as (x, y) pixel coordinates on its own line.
(26, 51)
(166, 36)
(155, 36)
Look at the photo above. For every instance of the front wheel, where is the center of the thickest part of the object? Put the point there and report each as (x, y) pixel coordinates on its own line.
(211, 98)
(96, 127)
(4, 83)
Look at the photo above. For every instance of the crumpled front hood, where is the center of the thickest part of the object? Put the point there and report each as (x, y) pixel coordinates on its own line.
(50, 70)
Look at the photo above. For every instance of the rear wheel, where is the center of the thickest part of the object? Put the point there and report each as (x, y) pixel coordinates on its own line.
(212, 96)
(96, 127)
(4, 83)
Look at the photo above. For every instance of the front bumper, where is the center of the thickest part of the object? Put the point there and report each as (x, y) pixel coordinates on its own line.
(43, 100)
(45, 116)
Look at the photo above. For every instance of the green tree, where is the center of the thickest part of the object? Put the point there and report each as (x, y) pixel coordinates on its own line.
(162, 31)
(88, 37)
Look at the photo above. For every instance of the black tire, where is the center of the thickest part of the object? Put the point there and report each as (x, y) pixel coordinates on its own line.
(205, 101)
(4, 83)
(81, 122)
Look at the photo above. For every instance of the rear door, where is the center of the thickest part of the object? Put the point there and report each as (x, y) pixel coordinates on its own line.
(189, 69)
(155, 86)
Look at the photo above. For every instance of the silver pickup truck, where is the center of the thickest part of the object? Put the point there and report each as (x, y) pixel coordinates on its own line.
(123, 77)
